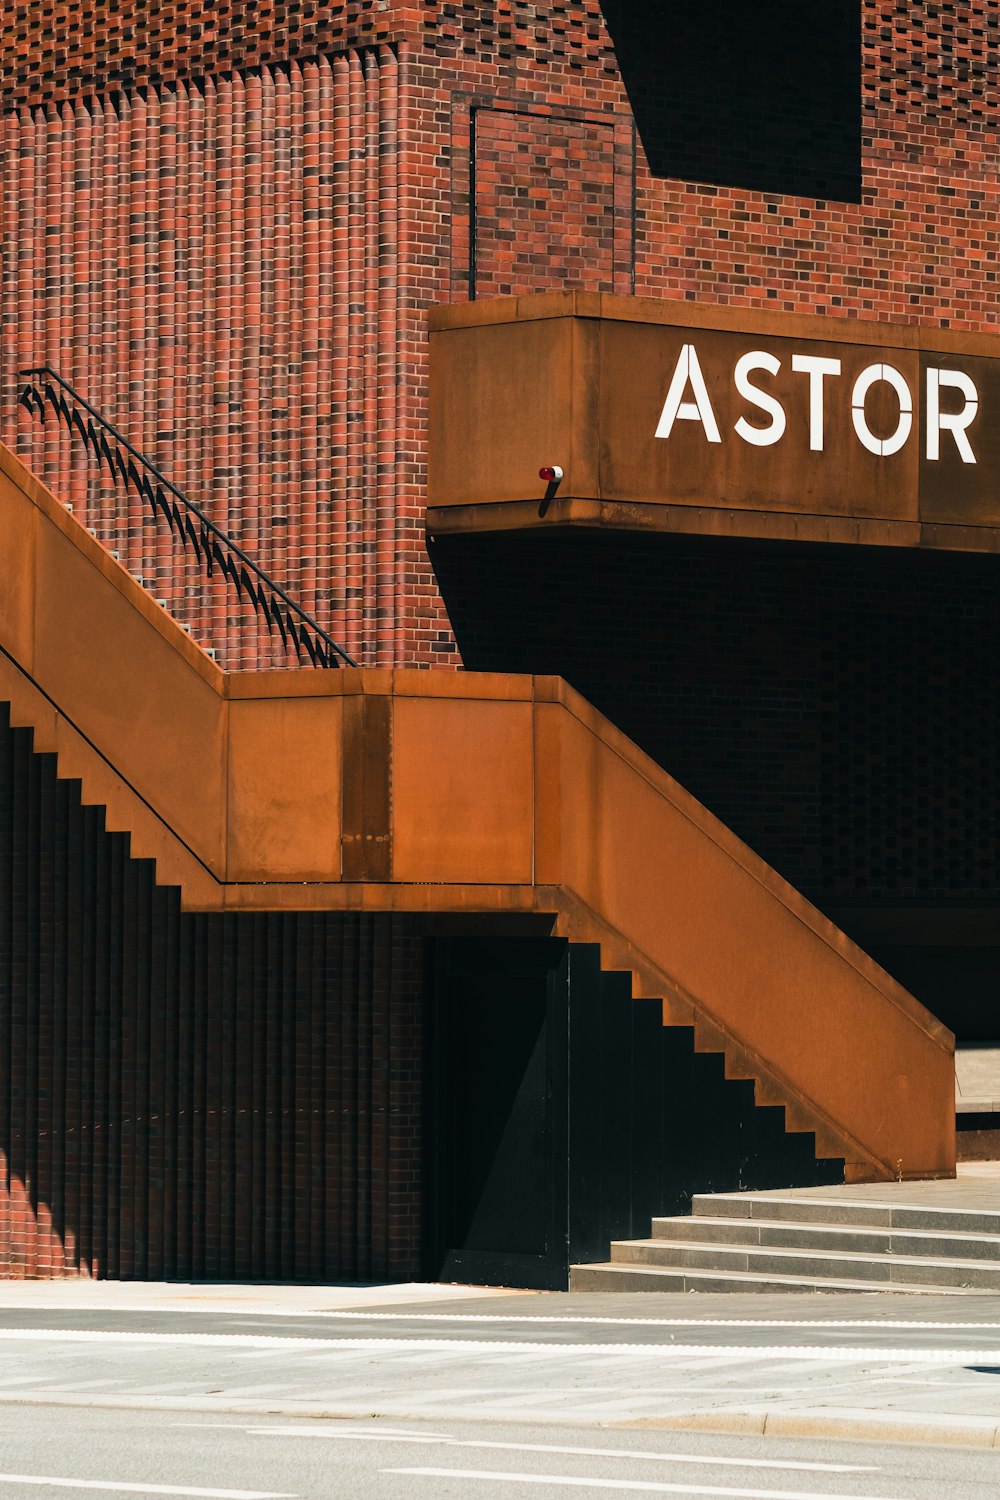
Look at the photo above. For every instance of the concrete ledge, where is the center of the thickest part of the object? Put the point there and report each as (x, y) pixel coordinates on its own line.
(844, 1424)
(836, 1424)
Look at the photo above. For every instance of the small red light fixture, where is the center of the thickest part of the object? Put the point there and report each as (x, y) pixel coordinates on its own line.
(551, 473)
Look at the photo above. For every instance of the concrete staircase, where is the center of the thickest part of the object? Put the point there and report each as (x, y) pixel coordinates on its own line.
(901, 1237)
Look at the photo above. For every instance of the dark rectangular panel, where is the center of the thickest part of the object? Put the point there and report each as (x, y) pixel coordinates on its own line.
(647, 1083)
(366, 793)
(496, 1163)
(762, 97)
(586, 1088)
(616, 1106)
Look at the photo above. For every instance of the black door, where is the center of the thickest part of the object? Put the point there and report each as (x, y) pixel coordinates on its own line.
(497, 1211)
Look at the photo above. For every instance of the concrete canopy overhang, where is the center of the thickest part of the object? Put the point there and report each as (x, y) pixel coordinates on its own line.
(668, 416)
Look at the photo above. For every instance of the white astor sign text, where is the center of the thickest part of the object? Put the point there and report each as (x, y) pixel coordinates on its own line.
(951, 403)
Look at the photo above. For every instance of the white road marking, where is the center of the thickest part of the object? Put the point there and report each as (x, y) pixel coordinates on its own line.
(122, 1487)
(643, 1486)
(438, 1441)
(882, 1323)
(833, 1353)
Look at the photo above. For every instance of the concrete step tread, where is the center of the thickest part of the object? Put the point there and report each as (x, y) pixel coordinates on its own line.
(761, 1281)
(791, 1252)
(803, 1226)
(872, 1212)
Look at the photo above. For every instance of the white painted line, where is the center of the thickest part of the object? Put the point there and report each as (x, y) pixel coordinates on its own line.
(141, 1337)
(437, 1441)
(643, 1486)
(529, 1318)
(121, 1487)
(831, 1354)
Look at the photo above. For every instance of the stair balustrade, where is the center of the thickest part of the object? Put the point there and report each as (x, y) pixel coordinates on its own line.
(216, 552)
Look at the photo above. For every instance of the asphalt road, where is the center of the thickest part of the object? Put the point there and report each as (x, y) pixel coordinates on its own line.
(46, 1453)
(725, 1321)
(498, 1395)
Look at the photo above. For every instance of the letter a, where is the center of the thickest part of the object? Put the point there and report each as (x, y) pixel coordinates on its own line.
(675, 408)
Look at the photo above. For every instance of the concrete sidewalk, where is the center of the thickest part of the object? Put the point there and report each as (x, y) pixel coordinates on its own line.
(254, 1299)
(888, 1368)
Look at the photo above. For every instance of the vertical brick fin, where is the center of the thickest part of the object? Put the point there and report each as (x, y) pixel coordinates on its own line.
(48, 54)
(213, 265)
(367, 790)
(387, 362)
(192, 1096)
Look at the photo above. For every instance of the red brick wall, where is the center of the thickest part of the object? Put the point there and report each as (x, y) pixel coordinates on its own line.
(214, 266)
(189, 1096)
(537, 171)
(279, 374)
(920, 246)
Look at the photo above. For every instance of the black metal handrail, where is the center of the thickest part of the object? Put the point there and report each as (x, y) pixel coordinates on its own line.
(186, 520)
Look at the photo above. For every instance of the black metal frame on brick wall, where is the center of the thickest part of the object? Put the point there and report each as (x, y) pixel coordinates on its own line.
(192, 527)
(467, 111)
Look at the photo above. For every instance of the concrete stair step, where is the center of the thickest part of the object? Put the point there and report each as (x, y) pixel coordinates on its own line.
(878, 1269)
(792, 1235)
(614, 1277)
(801, 1207)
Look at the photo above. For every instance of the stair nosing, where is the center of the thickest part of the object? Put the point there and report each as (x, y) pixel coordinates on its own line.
(799, 1226)
(813, 1283)
(804, 1252)
(839, 1203)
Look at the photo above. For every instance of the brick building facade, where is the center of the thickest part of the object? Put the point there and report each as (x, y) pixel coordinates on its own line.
(247, 210)
(224, 225)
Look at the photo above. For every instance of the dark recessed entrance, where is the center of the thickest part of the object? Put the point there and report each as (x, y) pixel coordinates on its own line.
(497, 1212)
(835, 706)
(562, 1114)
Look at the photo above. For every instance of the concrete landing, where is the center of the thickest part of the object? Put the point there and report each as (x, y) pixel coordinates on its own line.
(977, 1078)
(977, 1101)
(976, 1188)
